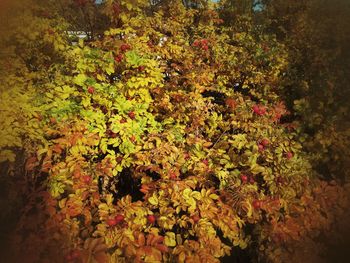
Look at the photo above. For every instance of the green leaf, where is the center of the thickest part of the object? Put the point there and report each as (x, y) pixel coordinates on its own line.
(133, 58)
(80, 79)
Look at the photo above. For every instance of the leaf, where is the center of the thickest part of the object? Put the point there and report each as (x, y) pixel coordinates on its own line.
(162, 248)
(129, 6)
(80, 79)
(207, 144)
(196, 195)
(170, 239)
(186, 193)
(153, 200)
(141, 239)
(256, 169)
(214, 196)
(133, 58)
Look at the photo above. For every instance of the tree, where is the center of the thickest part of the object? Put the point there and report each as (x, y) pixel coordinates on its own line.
(316, 84)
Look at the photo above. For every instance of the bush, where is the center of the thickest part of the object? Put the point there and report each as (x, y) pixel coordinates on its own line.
(163, 141)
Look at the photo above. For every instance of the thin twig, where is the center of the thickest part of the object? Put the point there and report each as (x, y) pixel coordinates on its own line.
(220, 137)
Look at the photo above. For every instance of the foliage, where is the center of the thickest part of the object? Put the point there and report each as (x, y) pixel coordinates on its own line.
(160, 141)
(27, 55)
(316, 34)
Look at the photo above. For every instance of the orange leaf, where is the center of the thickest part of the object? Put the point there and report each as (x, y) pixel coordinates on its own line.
(31, 163)
(162, 248)
(101, 257)
(141, 239)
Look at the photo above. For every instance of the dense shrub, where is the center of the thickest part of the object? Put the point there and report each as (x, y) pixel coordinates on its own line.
(165, 140)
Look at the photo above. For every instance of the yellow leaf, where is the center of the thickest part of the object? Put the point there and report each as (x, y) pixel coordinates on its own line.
(80, 79)
(179, 239)
(255, 169)
(196, 195)
(62, 203)
(129, 6)
(182, 257)
(169, 239)
(214, 196)
(186, 193)
(178, 209)
(153, 200)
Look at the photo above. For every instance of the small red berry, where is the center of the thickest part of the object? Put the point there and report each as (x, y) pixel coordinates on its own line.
(186, 156)
(195, 43)
(265, 142)
(119, 58)
(141, 68)
(289, 155)
(119, 159)
(122, 120)
(256, 109)
(259, 110)
(262, 111)
(119, 218)
(205, 47)
(132, 115)
(111, 222)
(206, 162)
(151, 219)
(91, 90)
(172, 175)
(244, 178)
(124, 47)
(204, 42)
(256, 204)
(133, 138)
(195, 218)
(87, 179)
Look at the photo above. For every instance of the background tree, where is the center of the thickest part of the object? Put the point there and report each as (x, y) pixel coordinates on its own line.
(317, 83)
